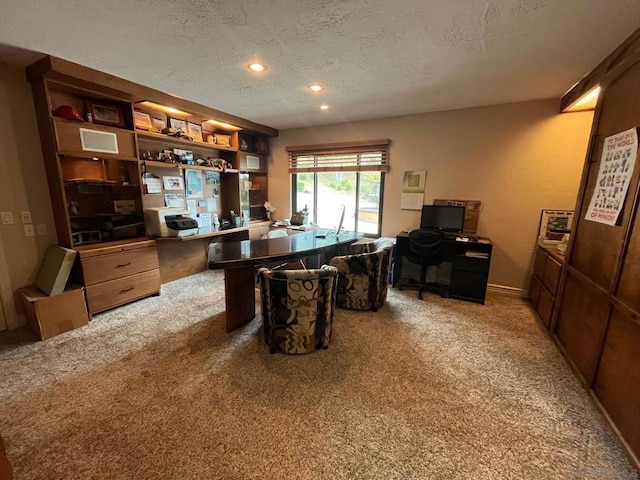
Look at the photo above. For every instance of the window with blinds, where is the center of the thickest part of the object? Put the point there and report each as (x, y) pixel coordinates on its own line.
(367, 156)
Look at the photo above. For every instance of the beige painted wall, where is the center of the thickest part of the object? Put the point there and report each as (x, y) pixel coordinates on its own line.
(517, 158)
(23, 187)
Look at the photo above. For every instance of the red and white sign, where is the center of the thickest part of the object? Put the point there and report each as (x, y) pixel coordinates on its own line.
(616, 168)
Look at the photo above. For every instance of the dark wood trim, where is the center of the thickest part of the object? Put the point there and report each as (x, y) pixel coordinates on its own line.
(51, 163)
(385, 142)
(609, 69)
(104, 84)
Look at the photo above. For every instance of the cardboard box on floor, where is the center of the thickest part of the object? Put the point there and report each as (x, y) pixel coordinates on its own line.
(48, 316)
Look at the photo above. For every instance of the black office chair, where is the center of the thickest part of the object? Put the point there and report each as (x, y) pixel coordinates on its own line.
(425, 246)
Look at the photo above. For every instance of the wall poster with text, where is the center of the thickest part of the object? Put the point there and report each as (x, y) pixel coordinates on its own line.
(616, 168)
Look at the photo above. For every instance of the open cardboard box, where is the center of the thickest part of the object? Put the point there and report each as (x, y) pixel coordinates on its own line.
(48, 316)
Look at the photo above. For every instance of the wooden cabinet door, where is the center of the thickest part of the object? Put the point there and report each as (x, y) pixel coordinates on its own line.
(545, 306)
(551, 278)
(617, 384)
(540, 262)
(534, 291)
(581, 324)
(70, 141)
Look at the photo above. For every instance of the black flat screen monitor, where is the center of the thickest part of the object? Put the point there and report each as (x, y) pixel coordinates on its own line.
(442, 217)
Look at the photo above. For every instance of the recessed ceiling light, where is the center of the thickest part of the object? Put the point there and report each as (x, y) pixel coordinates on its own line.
(257, 67)
(315, 87)
(324, 107)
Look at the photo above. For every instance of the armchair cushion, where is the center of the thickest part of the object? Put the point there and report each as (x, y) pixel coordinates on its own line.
(297, 308)
(363, 277)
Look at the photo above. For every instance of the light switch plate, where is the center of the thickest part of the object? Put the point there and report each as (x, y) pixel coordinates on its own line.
(29, 231)
(41, 229)
(25, 217)
(7, 218)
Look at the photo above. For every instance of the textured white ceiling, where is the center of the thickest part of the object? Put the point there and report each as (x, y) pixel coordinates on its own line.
(375, 58)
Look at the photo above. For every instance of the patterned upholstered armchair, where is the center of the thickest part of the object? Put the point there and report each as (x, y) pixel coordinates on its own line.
(297, 308)
(363, 277)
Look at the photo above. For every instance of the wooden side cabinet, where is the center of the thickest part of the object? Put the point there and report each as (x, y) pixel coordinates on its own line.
(118, 274)
(544, 282)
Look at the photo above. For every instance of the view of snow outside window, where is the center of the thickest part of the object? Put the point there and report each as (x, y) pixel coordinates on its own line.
(335, 189)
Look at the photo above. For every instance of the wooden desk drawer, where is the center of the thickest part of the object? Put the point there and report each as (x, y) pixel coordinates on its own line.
(122, 290)
(103, 268)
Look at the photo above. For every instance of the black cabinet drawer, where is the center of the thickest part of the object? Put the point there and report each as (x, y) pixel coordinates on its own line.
(470, 264)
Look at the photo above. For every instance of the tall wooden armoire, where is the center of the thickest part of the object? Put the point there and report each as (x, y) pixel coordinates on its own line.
(597, 323)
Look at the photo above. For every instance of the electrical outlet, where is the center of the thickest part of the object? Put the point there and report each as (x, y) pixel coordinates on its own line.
(7, 218)
(29, 231)
(41, 229)
(25, 217)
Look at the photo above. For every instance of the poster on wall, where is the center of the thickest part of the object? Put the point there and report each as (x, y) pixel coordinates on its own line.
(193, 183)
(616, 168)
(412, 197)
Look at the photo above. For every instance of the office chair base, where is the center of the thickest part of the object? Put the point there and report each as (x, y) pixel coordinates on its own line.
(425, 287)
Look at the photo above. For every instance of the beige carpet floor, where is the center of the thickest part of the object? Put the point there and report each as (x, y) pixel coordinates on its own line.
(433, 389)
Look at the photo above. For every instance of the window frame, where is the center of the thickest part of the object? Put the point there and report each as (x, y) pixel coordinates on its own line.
(357, 157)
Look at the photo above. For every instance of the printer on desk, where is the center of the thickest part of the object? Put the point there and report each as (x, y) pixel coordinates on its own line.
(169, 222)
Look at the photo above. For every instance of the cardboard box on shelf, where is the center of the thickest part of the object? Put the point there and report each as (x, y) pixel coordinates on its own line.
(48, 316)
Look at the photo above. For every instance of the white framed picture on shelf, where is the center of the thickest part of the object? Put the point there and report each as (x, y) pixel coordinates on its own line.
(194, 131)
(554, 224)
(159, 124)
(142, 120)
(173, 183)
(178, 124)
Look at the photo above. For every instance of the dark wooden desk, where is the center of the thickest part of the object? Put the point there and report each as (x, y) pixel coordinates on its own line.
(470, 262)
(239, 260)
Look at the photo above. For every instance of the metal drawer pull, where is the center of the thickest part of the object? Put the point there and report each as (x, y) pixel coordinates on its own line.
(125, 290)
(123, 265)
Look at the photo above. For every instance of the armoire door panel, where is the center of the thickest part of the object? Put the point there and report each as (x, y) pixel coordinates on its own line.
(597, 246)
(581, 324)
(617, 382)
(628, 287)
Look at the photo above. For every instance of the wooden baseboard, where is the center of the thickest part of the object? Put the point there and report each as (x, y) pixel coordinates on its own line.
(518, 292)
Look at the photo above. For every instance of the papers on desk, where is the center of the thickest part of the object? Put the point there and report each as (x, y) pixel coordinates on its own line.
(473, 240)
(475, 254)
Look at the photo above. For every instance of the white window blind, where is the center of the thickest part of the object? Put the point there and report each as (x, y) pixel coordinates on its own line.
(371, 155)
